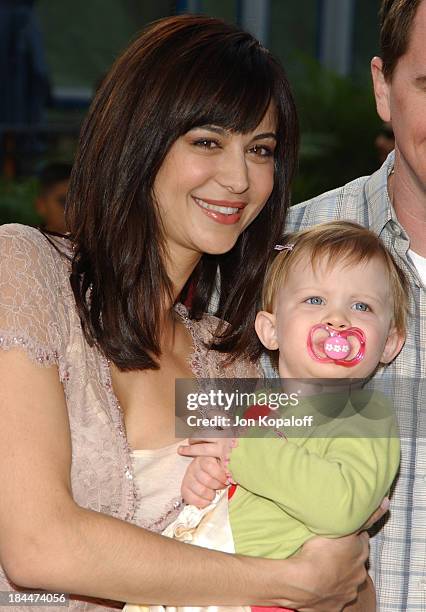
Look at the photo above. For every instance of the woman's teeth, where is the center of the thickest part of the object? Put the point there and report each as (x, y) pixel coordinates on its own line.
(224, 210)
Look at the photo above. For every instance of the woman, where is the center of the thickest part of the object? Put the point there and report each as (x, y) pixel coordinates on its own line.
(184, 165)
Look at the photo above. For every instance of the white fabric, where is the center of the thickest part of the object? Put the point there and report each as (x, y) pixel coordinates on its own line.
(158, 474)
(208, 527)
(420, 263)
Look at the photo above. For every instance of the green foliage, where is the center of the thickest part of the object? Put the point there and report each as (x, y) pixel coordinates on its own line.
(17, 201)
(338, 126)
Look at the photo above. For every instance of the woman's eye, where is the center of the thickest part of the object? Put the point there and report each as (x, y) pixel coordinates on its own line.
(361, 307)
(261, 150)
(315, 301)
(206, 143)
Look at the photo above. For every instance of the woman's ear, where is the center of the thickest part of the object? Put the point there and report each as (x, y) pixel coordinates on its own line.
(266, 330)
(393, 345)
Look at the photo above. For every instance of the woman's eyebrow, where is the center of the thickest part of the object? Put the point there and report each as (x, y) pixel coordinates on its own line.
(265, 135)
(420, 81)
(223, 132)
(212, 128)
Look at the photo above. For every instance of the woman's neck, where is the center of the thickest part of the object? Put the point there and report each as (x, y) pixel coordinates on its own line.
(180, 265)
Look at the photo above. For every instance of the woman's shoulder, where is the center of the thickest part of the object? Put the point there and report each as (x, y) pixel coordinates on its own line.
(34, 292)
(28, 250)
(18, 235)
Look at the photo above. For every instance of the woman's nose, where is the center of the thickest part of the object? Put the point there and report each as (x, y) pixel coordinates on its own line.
(233, 172)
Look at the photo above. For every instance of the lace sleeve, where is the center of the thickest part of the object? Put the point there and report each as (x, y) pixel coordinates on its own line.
(31, 306)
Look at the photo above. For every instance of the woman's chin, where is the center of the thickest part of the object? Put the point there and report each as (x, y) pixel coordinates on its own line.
(217, 248)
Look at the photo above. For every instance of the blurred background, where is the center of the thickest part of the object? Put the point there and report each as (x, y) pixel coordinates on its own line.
(54, 54)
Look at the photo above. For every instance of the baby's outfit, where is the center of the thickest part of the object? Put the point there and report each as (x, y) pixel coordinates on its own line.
(295, 483)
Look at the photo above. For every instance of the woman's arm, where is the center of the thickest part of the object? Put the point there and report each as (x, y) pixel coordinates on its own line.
(48, 541)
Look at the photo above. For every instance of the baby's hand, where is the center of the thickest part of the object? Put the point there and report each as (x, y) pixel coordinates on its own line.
(203, 477)
(208, 471)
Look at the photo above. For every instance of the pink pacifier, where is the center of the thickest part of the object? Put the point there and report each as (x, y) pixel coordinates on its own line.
(327, 345)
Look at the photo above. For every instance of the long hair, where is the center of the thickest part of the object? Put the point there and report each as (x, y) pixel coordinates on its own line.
(181, 72)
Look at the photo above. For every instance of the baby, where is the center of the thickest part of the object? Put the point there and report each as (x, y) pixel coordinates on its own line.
(334, 307)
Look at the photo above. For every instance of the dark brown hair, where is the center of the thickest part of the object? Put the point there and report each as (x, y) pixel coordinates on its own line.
(396, 22)
(181, 72)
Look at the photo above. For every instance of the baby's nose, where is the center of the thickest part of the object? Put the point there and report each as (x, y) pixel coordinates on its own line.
(337, 320)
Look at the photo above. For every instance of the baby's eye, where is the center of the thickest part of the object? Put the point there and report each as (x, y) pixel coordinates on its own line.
(315, 301)
(361, 307)
(206, 143)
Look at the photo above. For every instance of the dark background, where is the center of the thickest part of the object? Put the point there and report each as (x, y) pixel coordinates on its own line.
(53, 54)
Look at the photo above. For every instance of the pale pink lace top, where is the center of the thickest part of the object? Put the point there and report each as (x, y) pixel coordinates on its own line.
(37, 314)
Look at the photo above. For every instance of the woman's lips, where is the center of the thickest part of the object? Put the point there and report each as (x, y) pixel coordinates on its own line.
(222, 211)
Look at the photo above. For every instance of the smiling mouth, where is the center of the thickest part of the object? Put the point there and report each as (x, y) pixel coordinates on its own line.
(221, 209)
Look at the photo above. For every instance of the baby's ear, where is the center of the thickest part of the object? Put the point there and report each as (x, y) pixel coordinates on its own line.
(266, 330)
(393, 345)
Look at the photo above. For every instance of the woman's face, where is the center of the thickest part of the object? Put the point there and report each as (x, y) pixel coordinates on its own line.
(212, 184)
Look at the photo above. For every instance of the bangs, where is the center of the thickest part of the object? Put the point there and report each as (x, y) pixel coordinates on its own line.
(231, 88)
(349, 252)
(234, 107)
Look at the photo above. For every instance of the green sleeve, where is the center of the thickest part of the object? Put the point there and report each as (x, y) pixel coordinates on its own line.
(333, 484)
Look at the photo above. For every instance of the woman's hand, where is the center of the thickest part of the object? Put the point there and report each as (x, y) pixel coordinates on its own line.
(347, 580)
(366, 601)
(331, 570)
(219, 448)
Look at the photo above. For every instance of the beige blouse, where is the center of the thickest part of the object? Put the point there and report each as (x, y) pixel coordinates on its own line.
(158, 473)
(38, 315)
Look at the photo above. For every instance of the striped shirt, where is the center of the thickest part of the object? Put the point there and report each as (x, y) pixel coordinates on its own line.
(398, 550)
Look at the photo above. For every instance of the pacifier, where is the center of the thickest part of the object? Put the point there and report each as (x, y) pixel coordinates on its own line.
(327, 345)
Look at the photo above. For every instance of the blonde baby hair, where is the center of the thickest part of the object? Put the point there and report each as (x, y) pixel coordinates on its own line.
(336, 241)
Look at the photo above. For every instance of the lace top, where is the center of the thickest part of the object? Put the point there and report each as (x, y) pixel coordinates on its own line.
(38, 315)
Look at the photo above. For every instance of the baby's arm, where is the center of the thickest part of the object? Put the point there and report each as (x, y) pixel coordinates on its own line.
(333, 484)
(333, 495)
(330, 485)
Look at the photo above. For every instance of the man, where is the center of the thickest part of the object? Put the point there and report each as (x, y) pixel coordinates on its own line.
(392, 202)
(50, 203)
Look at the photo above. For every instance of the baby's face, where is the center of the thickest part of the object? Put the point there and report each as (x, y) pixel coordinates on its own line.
(339, 296)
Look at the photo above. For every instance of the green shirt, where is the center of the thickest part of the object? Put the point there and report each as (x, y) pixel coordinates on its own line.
(325, 480)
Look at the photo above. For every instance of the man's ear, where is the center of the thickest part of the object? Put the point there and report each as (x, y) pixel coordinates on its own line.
(393, 345)
(266, 330)
(381, 89)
